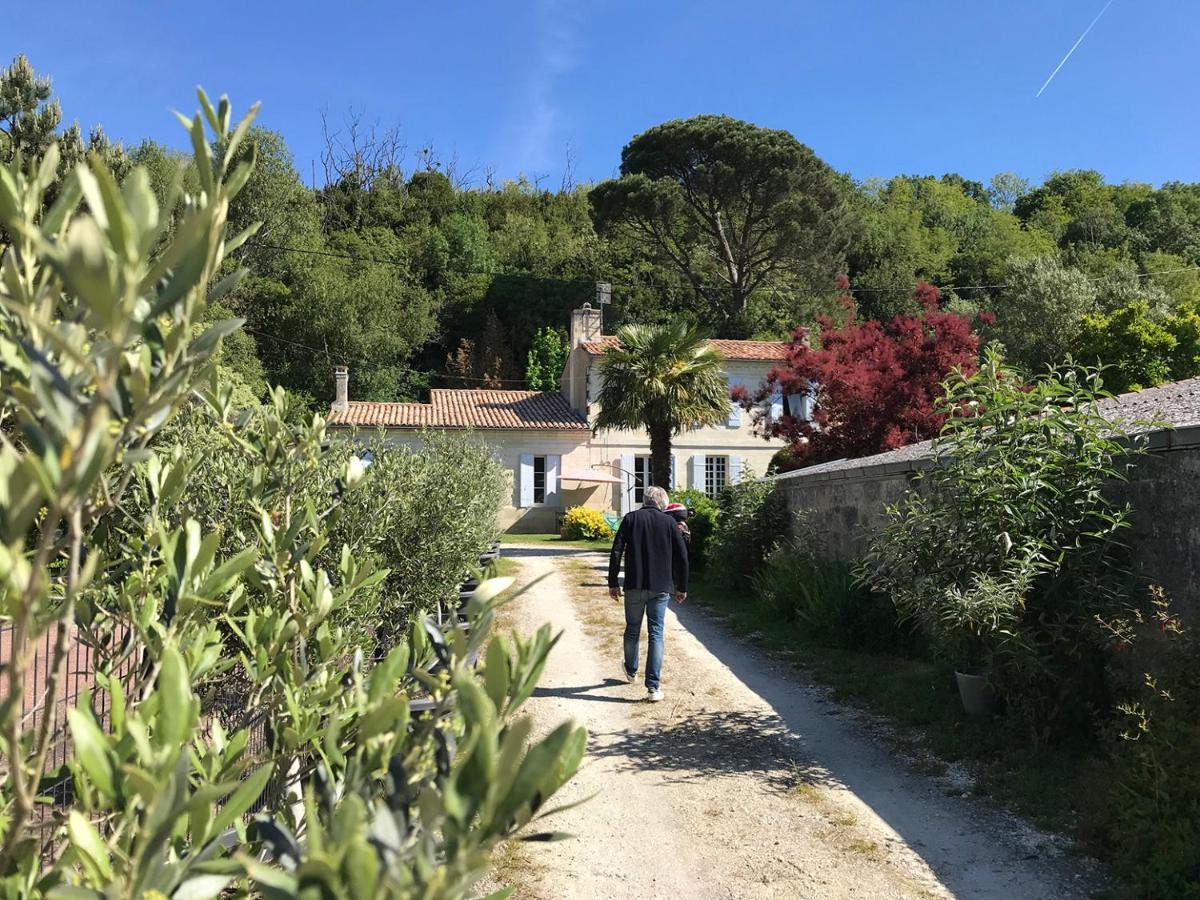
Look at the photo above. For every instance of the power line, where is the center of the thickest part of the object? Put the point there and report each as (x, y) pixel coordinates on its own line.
(1010, 284)
(907, 289)
(364, 363)
(403, 264)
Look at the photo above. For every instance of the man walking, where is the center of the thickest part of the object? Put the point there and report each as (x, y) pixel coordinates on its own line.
(656, 564)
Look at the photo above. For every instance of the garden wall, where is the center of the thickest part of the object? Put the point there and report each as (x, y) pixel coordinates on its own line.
(848, 499)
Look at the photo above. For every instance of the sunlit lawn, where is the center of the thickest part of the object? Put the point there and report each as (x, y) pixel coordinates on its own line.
(556, 540)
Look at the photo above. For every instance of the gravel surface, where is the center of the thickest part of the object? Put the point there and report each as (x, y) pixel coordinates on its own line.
(744, 781)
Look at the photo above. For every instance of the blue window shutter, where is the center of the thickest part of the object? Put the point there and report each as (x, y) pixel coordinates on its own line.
(625, 488)
(553, 497)
(674, 477)
(525, 481)
(775, 412)
(735, 469)
(735, 414)
(798, 406)
(697, 472)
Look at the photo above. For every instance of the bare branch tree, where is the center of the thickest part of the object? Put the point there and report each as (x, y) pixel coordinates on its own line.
(568, 176)
(361, 154)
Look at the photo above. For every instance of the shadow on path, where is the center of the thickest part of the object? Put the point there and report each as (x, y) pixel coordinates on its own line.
(714, 744)
(519, 551)
(975, 850)
(798, 739)
(583, 692)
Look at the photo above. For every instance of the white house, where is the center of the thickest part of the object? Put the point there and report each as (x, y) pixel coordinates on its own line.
(545, 439)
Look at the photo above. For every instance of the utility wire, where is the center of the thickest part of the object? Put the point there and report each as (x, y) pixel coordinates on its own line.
(402, 264)
(1011, 284)
(907, 289)
(361, 362)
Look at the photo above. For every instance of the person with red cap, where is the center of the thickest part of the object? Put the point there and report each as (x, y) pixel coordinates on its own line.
(680, 514)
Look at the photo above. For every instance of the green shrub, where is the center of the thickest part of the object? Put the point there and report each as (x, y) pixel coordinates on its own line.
(1153, 834)
(800, 584)
(702, 523)
(1139, 347)
(99, 546)
(428, 510)
(1009, 551)
(424, 513)
(752, 520)
(582, 523)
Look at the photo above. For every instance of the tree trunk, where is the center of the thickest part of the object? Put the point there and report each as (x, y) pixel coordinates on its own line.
(660, 457)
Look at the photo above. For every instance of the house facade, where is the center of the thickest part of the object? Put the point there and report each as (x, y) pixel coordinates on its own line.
(545, 440)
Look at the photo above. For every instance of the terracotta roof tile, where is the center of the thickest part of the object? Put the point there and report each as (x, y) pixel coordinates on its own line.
(468, 409)
(767, 351)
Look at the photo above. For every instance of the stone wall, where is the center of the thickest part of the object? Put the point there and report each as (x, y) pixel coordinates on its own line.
(847, 500)
(1165, 496)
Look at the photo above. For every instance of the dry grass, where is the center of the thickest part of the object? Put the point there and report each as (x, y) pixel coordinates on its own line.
(511, 867)
(863, 847)
(806, 792)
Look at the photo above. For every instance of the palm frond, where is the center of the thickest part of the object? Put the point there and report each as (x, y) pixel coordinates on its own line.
(666, 375)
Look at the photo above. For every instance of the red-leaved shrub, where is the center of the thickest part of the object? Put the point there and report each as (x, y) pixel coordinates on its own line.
(876, 384)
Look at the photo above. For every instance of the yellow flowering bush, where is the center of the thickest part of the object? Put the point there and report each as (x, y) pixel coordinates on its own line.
(582, 523)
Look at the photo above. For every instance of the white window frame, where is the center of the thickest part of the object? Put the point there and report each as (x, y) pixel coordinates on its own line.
(641, 478)
(716, 474)
(734, 420)
(527, 480)
(545, 464)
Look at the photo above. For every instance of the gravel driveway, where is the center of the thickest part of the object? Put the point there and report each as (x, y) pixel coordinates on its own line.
(744, 781)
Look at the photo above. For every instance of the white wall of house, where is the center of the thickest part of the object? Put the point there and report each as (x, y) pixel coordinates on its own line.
(733, 444)
(702, 458)
(564, 451)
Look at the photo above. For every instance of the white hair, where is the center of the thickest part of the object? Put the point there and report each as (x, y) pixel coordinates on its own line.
(656, 497)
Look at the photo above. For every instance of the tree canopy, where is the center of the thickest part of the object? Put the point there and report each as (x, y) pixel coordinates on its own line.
(405, 270)
(734, 208)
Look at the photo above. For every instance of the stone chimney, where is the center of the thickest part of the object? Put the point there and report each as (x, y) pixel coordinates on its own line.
(341, 387)
(585, 325)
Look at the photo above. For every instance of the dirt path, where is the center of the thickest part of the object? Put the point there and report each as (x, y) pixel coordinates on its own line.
(744, 782)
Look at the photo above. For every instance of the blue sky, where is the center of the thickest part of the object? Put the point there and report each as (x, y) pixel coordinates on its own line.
(875, 88)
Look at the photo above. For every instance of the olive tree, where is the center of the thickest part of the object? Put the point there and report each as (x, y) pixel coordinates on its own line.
(359, 795)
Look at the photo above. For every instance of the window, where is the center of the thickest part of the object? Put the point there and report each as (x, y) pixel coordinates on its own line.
(539, 479)
(800, 406)
(716, 473)
(641, 478)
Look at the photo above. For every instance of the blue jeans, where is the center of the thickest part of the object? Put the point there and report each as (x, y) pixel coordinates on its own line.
(639, 603)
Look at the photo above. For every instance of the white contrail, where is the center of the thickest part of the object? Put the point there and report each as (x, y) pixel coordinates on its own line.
(1074, 46)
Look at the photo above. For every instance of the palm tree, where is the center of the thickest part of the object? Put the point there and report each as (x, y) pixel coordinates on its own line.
(663, 378)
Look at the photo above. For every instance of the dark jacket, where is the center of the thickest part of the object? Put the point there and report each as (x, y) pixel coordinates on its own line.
(656, 557)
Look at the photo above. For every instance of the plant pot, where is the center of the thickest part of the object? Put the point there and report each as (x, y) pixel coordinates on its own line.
(975, 691)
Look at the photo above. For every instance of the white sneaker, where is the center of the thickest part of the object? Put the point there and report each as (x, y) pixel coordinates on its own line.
(655, 695)
(629, 676)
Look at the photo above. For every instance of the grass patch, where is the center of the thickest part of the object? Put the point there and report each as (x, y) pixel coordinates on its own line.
(1054, 787)
(556, 540)
(863, 847)
(805, 792)
(505, 567)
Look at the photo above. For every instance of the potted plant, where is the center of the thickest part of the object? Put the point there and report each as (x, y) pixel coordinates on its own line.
(1007, 548)
(971, 653)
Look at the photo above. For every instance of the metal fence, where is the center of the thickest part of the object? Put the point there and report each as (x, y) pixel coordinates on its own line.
(37, 711)
(79, 676)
